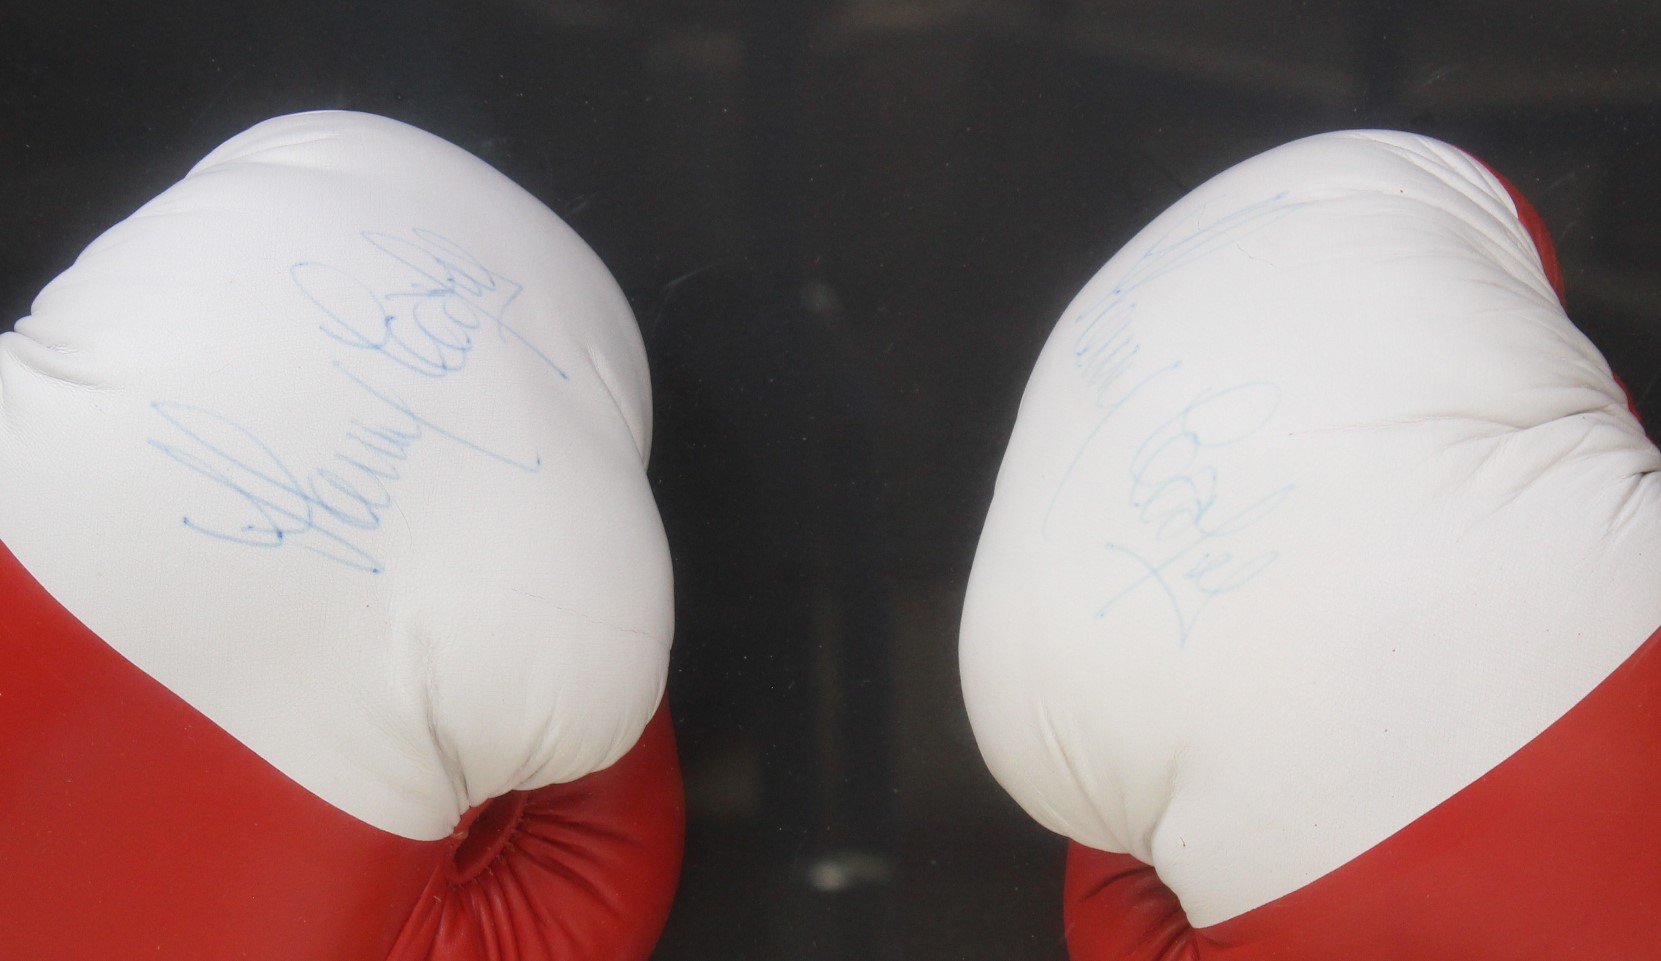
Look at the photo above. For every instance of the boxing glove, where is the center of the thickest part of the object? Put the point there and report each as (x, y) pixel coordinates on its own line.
(334, 606)
(1316, 601)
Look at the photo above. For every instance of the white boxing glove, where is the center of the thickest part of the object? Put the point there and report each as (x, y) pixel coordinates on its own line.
(325, 523)
(1321, 566)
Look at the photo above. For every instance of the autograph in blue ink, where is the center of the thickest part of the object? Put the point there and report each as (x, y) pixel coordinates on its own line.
(1105, 349)
(1177, 549)
(326, 509)
(425, 328)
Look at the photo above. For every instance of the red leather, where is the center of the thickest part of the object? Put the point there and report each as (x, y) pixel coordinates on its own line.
(1116, 907)
(583, 870)
(1554, 854)
(134, 827)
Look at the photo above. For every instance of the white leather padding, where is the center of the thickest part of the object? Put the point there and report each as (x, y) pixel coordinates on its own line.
(1316, 509)
(342, 439)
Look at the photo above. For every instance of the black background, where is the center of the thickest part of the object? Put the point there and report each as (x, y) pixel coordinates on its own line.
(846, 228)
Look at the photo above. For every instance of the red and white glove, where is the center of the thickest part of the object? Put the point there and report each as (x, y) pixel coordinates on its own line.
(1320, 583)
(334, 606)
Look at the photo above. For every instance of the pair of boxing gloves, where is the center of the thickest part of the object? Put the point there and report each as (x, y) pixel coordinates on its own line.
(1313, 604)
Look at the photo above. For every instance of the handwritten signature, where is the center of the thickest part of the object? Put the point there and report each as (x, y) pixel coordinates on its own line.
(1104, 349)
(428, 327)
(425, 327)
(1176, 546)
(1177, 550)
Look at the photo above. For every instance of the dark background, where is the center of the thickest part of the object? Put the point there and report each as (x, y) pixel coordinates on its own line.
(846, 227)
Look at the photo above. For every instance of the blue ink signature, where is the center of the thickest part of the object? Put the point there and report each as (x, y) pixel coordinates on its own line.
(1174, 496)
(427, 327)
(1105, 348)
(326, 508)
